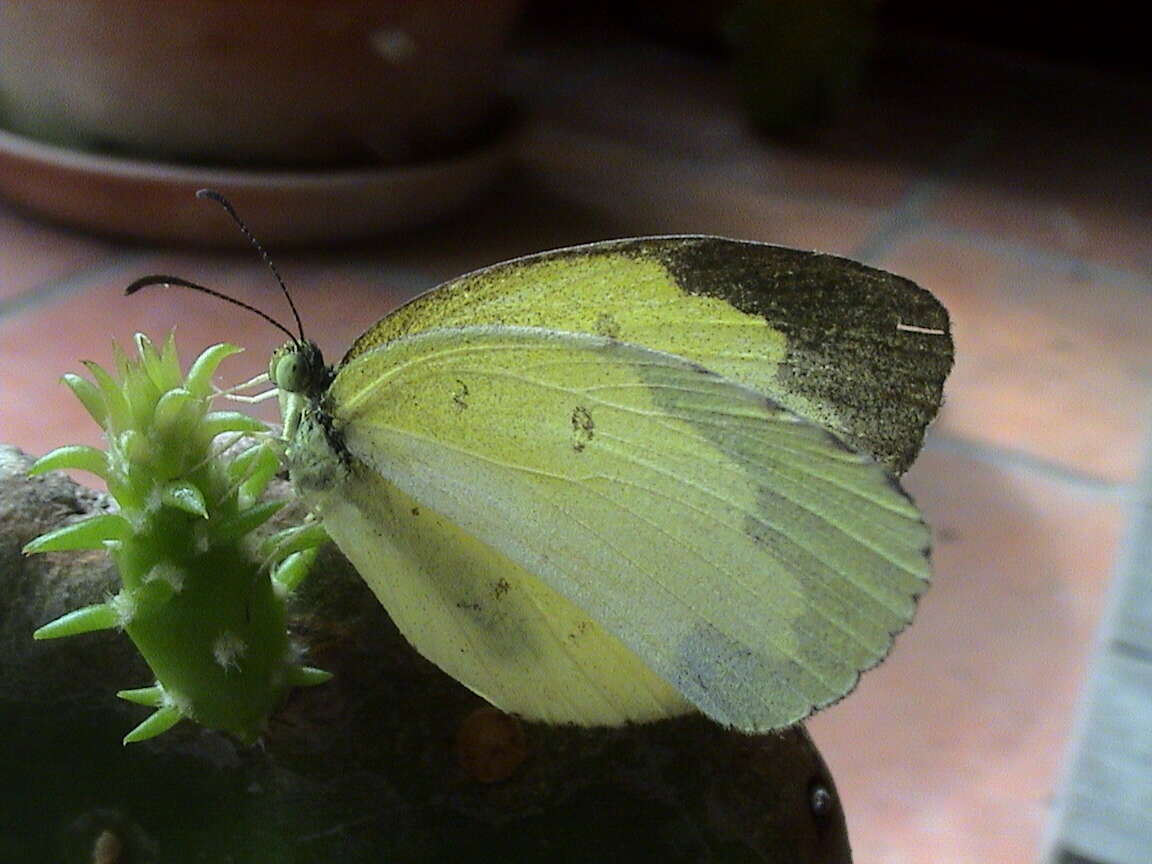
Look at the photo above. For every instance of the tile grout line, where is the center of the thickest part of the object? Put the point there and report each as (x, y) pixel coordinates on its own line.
(1129, 649)
(900, 221)
(1135, 546)
(1041, 259)
(1002, 457)
(58, 288)
(908, 215)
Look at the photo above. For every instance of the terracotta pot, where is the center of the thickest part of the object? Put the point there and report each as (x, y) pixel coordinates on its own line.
(256, 83)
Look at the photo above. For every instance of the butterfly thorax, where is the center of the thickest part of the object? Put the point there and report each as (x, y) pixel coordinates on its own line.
(298, 372)
(317, 459)
(316, 454)
(314, 451)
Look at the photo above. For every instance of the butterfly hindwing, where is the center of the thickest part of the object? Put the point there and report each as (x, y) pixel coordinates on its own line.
(746, 555)
(485, 620)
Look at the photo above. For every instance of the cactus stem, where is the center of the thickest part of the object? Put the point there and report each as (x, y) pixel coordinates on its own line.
(182, 543)
(174, 575)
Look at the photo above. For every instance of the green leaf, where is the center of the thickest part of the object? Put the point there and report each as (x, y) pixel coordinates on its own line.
(298, 539)
(293, 569)
(170, 360)
(150, 363)
(134, 447)
(307, 676)
(152, 696)
(75, 456)
(89, 395)
(177, 408)
(244, 523)
(146, 349)
(118, 415)
(199, 378)
(219, 422)
(142, 396)
(120, 360)
(184, 495)
(159, 723)
(90, 533)
(258, 470)
(99, 616)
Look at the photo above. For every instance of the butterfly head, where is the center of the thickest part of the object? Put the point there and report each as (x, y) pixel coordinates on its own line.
(297, 370)
(298, 367)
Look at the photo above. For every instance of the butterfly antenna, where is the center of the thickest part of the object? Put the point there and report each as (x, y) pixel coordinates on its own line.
(160, 279)
(213, 195)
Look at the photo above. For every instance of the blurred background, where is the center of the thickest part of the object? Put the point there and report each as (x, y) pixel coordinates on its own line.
(996, 154)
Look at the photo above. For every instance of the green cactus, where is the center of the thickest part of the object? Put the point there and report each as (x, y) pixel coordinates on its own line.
(203, 605)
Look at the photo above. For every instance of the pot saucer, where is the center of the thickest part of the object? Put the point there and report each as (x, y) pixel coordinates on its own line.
(155, 201)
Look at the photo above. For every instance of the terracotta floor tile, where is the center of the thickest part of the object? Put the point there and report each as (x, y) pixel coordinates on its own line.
(689, 109)
(645, 193)
(1053, 166)
(32, 254)
(1074, 209)
(950, 750)
(619, 90)
(520, 218)
(44, 343)
(1049, 362)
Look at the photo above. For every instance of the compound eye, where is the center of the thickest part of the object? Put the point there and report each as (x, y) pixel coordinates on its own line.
(289, 370)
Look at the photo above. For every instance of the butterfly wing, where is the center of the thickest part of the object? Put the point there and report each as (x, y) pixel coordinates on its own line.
(746, 556)
(856, 350)
(482, 618)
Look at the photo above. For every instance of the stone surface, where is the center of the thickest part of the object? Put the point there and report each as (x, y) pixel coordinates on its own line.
(391, 760)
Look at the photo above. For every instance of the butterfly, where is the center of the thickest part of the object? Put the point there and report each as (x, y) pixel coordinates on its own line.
(632, 479)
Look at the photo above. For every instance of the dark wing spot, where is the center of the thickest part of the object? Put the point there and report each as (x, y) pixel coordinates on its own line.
(607, 326)
(582, 428)
(582, 627)
(501, 587)
(460, 395)
(415, 511)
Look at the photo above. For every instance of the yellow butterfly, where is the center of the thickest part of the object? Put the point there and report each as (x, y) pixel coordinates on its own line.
(623, 481)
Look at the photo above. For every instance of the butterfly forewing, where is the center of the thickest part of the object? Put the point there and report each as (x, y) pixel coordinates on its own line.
(859, 351)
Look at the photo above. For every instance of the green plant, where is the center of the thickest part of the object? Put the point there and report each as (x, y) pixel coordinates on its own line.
(202, 602)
